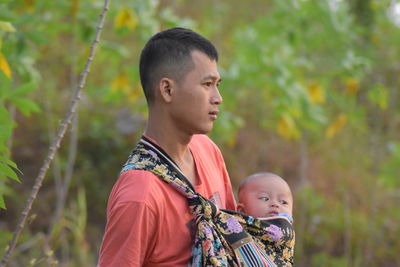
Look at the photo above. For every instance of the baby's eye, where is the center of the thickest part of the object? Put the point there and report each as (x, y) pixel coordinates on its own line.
(284, 202)
(264, 198)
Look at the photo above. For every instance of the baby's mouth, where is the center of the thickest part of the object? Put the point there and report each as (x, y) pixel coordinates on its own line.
(273, 213)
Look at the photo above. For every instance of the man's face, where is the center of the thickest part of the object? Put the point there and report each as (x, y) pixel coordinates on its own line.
(265, 197)
(195, 103)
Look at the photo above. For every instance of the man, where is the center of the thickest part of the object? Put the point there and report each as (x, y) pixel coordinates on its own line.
(149, 222)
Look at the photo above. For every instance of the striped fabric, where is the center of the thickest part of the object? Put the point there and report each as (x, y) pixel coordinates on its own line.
(251, 255)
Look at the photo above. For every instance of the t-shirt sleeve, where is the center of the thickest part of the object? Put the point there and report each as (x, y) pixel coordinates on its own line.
(129, 235)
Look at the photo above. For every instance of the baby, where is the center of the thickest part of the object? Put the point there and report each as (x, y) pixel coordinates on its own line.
(264, 195)
(268, 197)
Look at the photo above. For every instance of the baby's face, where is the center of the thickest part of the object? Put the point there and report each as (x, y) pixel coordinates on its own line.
(266, 196)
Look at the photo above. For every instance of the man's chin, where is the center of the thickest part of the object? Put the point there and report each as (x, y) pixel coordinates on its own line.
(203, 131)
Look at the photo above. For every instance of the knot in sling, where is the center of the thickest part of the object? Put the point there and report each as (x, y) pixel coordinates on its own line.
(223, 237)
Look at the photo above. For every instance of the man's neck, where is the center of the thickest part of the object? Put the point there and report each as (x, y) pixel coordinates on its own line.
(174, 142)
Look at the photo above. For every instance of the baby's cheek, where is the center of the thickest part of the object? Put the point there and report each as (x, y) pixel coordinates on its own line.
(288, 211)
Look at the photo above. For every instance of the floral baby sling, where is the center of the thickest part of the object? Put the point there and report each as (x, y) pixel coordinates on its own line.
(223, 237)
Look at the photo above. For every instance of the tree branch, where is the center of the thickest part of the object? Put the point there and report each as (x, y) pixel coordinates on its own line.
(56, 143)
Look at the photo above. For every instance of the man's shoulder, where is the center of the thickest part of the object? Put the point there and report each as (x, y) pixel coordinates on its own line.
(201, 141)
(136, 186)
(201, 138)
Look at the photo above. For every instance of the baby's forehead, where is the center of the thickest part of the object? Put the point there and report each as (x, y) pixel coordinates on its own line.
(262, 182)
(263, 179)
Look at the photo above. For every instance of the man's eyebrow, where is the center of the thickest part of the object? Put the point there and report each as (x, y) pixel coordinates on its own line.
(212, 77)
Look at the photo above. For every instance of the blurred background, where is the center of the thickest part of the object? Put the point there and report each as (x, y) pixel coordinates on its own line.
(311, 92)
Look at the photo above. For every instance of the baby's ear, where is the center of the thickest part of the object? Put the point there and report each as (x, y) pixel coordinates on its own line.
(240, 207)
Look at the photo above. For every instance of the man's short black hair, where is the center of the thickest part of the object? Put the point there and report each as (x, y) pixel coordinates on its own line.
(168, 54)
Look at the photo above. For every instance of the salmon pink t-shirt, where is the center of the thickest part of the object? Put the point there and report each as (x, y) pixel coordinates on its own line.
(149, 222)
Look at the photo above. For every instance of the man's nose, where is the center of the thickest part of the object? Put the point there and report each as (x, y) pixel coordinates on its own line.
(216, 99)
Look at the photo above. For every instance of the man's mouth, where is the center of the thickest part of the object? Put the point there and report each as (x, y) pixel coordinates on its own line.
(213, 114)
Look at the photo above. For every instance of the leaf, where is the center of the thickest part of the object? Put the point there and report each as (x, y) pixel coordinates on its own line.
(315, 93)
(4, 114)
(287, 127)
(20, 91)
(134, 94)
(37, 37)
(7, 15)
(7, 26)
(352, 86)
(25, 105)
(2, 203)
(336, 126)
(74, 7)
(4, 66)
(6, 125)
(29, 6)
(379, 96)
(120, 83)
(126, 17)
(5, 84)
(8, 161)
(8, 171)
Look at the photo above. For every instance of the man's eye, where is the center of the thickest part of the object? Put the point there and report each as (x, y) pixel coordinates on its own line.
(208, 84)
(264, 198)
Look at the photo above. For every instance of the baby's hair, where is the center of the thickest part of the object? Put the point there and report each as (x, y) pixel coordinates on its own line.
(252, 177)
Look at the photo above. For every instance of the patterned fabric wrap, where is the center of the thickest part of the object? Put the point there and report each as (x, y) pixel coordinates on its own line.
(223, 237)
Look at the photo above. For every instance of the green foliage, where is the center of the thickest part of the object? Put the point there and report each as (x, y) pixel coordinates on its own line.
(12, 93)
(389, 169)
(286, 68)
(324, 259)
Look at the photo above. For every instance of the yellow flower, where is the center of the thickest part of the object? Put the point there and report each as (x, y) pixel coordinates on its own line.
(4, 66)
(287, 127)
(120, 83)
(74, 7)
(28, 5)
(336, 126)
(316, 93)
(134, 94)
(375, 39)
(126, 17)
(352, 86)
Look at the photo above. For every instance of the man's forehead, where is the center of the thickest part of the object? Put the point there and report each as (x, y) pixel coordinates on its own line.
(199, 56)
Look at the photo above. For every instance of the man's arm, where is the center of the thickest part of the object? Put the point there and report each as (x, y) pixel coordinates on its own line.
(128, 238)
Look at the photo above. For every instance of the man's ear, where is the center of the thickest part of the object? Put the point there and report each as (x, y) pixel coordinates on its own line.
(166, 87)
(240, 207)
